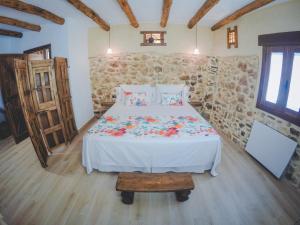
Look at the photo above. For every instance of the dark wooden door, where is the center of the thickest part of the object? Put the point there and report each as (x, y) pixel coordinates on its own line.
(26, 99)
(13, 109)
(46, 102)
(64, 95)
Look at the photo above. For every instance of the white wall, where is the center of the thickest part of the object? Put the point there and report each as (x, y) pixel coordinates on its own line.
(5, 44)
(51, 33)
(125, 38)
(79, 71)
(278, 18)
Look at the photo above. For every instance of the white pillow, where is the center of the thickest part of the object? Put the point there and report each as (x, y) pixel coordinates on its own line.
(172, 99)
(136, 98)
(172, 89)
(138, 89)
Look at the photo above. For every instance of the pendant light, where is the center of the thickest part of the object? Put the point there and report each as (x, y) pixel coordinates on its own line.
(196, 50)
(109, 50)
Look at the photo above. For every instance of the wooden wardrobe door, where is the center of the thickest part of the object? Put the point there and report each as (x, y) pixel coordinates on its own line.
(25, 94)
(64, 95)
(46, 102)
(13, 109)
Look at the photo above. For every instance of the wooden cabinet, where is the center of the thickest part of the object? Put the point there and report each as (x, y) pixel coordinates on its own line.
(64, 95)
(25, 95)
(42, 88)
(46, 102)
(52, 101)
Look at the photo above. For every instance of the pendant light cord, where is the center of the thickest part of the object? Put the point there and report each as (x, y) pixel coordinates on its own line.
(109, 39)
(196, 36)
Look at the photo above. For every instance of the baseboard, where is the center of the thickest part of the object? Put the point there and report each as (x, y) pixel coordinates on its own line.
(80, 134)
(87, 124)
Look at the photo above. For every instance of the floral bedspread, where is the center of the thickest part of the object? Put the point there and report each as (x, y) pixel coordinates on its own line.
(149, 126)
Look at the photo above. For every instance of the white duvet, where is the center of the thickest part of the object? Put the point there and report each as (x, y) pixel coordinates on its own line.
(150, 146)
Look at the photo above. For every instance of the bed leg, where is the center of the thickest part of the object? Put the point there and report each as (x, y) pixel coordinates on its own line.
(182, 196)
(127, 197)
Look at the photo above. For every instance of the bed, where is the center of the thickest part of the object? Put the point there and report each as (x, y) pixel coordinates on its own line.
(154, 139)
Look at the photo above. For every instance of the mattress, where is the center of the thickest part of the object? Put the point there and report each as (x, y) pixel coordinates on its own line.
(155, 139)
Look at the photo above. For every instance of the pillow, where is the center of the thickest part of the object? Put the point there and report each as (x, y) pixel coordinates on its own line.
(171, 99)
(136, 98)
(138, 88)
(172, 89)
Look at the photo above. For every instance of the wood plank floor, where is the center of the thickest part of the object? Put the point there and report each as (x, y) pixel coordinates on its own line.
(243, 193)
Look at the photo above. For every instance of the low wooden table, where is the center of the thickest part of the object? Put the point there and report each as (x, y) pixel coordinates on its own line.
(180, 183)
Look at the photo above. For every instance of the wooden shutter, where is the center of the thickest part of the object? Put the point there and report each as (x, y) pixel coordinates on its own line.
(25, 94)
(46, 102)
(13, 109)
(65, 99)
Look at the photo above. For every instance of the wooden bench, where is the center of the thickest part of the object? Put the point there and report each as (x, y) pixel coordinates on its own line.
(180, 183)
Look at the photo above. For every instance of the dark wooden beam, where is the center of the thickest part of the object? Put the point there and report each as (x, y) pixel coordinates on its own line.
(10, 33)
(19, 23)
(165, 12)
(32, 9)
(127, 10)
(89, 13)
(204, 9)
(237, 14)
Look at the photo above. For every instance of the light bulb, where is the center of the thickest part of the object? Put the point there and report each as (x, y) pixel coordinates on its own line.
(196, 51)
(109, 51)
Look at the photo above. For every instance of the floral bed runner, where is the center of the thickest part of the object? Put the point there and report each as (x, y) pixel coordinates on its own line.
(149, 126)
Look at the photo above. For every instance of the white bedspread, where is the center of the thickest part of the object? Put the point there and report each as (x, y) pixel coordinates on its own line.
(192, 149)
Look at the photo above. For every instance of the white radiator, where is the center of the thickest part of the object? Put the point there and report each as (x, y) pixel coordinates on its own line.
(272, 149)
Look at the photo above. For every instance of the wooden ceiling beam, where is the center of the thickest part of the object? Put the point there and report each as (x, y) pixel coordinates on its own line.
(89, 13)
(204, 9)
(165, 12)
(32, 9)
(127, 10)
(242, 11)
(10, 33)
(19, 23)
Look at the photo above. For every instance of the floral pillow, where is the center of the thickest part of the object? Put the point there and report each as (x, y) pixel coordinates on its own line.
(171, 99)
(136, 98)
(172, 88)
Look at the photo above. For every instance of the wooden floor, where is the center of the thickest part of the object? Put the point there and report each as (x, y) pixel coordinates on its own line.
(243, 193)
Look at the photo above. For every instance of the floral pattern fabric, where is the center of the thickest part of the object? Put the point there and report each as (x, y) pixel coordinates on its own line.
(171, 99)
(148, 126)
(136, 98)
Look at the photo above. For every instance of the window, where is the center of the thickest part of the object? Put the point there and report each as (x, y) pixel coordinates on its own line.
(279, 91)
(232, 37)
(153, 38)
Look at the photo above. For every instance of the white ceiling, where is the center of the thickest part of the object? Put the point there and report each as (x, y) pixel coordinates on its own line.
(146, 11)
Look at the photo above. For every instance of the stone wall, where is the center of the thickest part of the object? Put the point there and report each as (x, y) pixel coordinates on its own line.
(226, 87)
(234, 107)
(138, 68)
